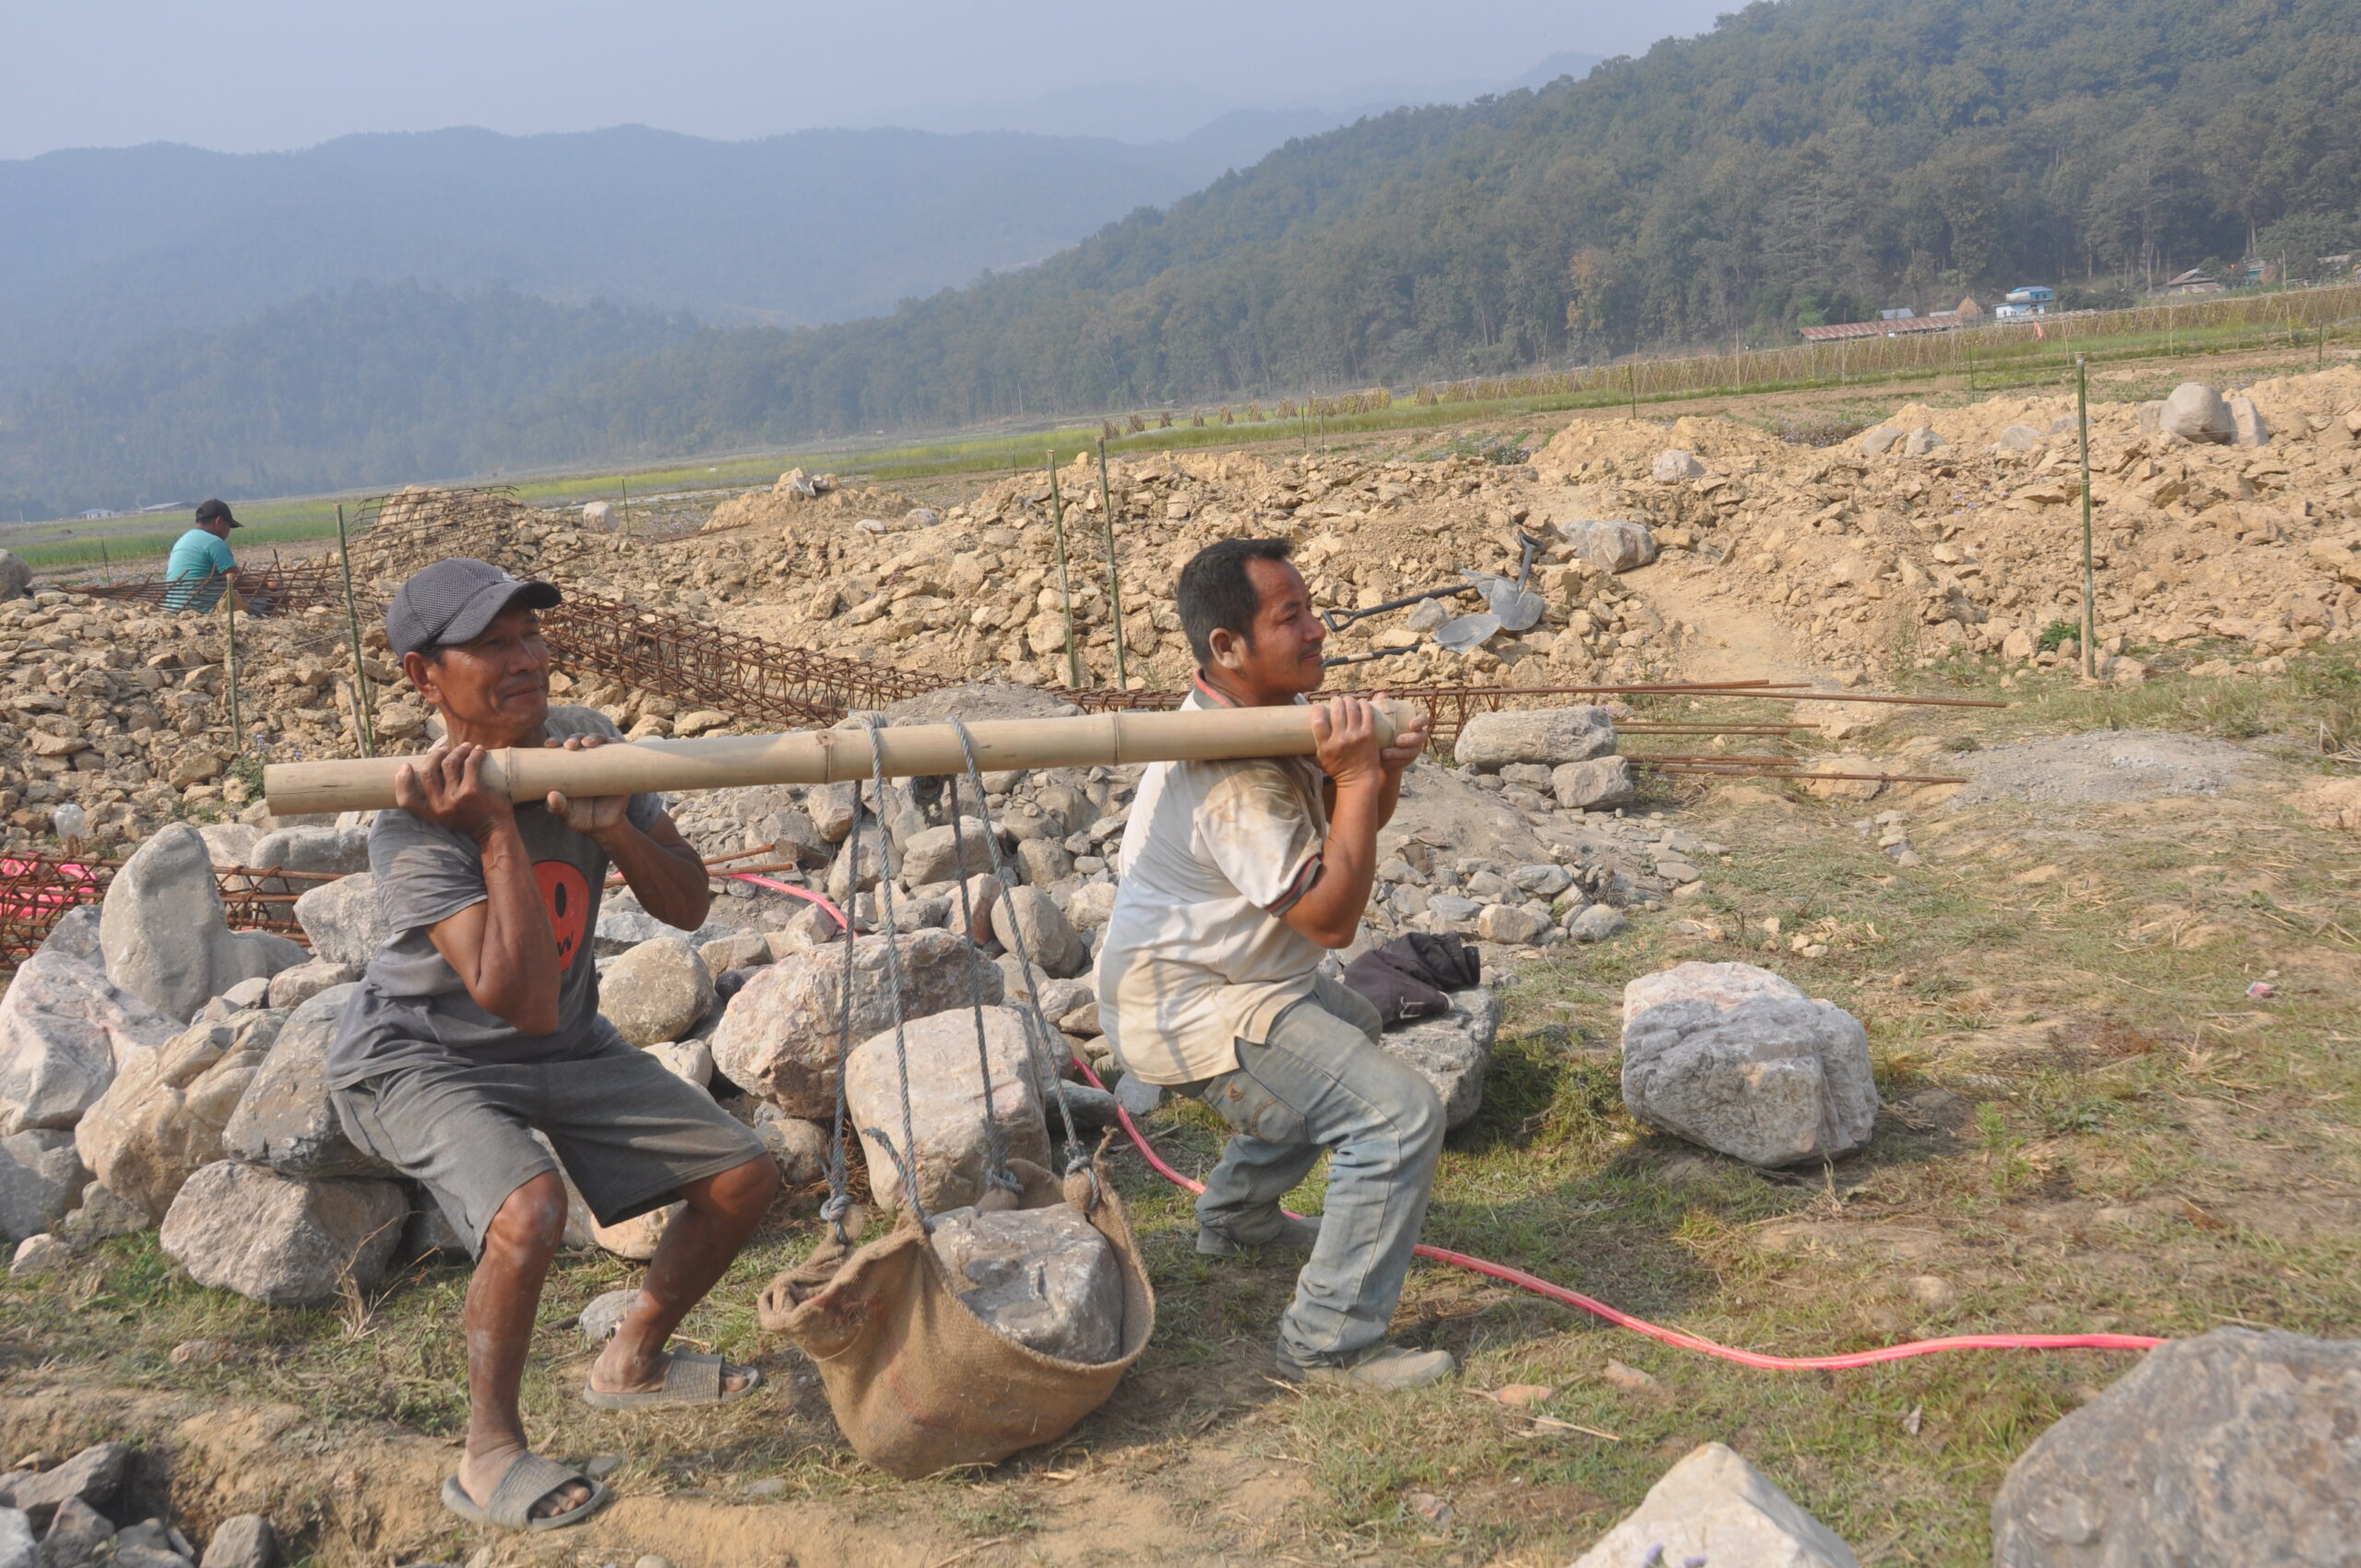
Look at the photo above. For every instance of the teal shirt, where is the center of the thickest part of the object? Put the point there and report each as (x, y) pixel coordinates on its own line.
(197, 555)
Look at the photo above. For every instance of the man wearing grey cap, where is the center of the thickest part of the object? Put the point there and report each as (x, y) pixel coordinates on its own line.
(477, 1025)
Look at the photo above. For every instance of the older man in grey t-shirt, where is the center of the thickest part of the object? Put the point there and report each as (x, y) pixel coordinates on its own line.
(477, 1025)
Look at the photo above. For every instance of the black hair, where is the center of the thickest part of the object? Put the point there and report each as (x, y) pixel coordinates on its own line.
(1216, 593)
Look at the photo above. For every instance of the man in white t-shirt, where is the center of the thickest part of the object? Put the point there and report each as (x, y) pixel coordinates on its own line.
(1238, 877)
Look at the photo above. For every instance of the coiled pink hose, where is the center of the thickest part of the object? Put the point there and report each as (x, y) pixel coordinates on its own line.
(1596, 1308)
(1542, 1287)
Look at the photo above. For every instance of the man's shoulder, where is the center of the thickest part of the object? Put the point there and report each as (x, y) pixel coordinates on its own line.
(570, 718)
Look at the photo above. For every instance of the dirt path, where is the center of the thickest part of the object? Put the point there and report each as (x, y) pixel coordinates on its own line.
(374, 1497)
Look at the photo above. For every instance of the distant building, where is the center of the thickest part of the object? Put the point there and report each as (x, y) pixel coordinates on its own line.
(2033, 299)
(1891, 325)
(2196, 281)
(96, 515)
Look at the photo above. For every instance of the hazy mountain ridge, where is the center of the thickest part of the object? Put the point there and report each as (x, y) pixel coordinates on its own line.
(1808, 160)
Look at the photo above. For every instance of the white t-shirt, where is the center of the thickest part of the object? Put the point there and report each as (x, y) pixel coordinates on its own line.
(1195, 958)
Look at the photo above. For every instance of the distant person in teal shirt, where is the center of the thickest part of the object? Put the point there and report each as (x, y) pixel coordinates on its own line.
(201, 558)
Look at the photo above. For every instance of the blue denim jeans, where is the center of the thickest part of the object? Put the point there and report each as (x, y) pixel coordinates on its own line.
(1320, 1082)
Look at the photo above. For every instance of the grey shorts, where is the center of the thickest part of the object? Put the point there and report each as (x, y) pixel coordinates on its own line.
(628, 1131)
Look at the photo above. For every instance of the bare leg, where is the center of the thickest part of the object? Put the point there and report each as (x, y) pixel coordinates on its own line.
(501, 1299)
(699, 1245)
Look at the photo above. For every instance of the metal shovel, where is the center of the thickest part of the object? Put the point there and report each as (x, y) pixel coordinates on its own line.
(1464, 632)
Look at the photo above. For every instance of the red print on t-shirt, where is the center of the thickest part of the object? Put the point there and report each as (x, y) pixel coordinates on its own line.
(565, 893)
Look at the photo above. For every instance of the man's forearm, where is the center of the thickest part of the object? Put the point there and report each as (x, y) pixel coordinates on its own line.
(668, 881)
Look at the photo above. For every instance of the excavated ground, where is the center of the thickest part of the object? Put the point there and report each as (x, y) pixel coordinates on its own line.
(2089, 1123)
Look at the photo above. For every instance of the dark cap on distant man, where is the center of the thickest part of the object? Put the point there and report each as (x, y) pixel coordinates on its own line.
(216, 512)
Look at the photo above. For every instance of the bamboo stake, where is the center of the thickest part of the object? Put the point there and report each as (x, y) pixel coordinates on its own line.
(1114, 582)
(360, 704)
(828, 756)
(1065, 585)
(2090, 602)
(229, 612)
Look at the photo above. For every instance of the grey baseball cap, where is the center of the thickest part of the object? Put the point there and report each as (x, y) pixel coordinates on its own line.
(455, 600)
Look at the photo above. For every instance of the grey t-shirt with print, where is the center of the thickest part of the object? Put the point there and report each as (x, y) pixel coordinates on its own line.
(410, 1006)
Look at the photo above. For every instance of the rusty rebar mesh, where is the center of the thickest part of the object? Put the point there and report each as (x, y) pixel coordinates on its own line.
(284, 586)
(37, 890)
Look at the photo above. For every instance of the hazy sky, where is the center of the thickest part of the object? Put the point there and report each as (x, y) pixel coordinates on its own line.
(253, 75)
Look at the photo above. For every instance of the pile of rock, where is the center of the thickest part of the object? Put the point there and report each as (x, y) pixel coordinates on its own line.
(2219, 518)
(122, 712)
(974, 587)
(78, 1515)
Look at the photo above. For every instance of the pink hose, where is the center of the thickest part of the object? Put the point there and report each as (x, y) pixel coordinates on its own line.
(1540, 1287)
(791, 890)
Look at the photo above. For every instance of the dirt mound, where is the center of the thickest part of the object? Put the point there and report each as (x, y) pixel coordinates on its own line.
(1628, 448)
(1868, 560)
(2104, 768)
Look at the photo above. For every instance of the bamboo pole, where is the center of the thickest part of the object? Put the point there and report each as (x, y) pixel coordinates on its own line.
(1065, 585)
(2090, 597)
(360, 703)
(829, 756)
(1114, 581)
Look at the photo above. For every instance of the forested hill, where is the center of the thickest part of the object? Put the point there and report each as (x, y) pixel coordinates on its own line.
(1808, 160)
(1814, 158)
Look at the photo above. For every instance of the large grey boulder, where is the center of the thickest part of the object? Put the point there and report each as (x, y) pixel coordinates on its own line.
(1549, 736)
(1716, 1508)
(160, 1121)
(1044, 1277)
(285, 1118)
(658, 990)
(2196, 412)
(42, 1178)
(932, 854)
(1737, 1059)
(2235, 1447)
(164, 933)
(946, 1099)
(1601, 784)
(15, 574)
(1877, 443)
(779, 1037)
(1923, 442)
(1030, 916)
(338, 850)
(281, 1240)
(1452, 1051)
(63, 1030)
(1616, 546)
(344, 921)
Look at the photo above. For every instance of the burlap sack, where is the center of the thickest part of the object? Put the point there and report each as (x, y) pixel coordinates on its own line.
(918, 1383)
